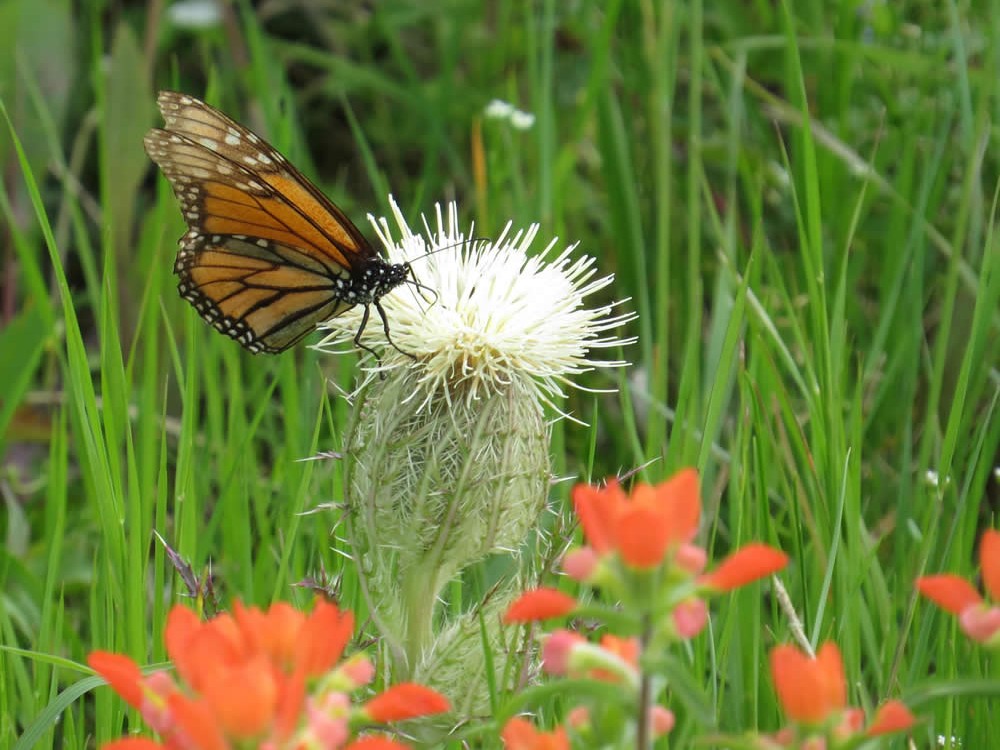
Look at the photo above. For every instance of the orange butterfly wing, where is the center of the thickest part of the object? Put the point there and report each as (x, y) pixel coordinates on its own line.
(268, 256)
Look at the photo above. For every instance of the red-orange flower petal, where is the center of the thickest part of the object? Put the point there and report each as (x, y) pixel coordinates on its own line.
(291, 700)
(182, 623)
(196, 723)
(376, 742)
(892, 716)
(199, 648)
(323, 638)
(627, 649)
(520, 734)
(951, 593)
(744, 566)
(597, 508)
(405, 701)
(989, 558)
(122, 674)
(804, 688)
(831, 668)
(133, 743)
(243, 699)
(680, 499)
(540, 604)
(275, 631)
(642, 535)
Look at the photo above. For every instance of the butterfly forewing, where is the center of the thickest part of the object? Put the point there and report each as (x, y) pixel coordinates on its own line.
(232, 146)
(267, 255)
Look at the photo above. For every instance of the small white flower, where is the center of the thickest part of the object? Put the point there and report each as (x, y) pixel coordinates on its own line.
(498, 109)
(493, 315)
(195, 14)
(933, 479)
(521, 120)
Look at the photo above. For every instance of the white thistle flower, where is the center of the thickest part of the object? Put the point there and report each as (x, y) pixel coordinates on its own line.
(493, 315)
(446, 458)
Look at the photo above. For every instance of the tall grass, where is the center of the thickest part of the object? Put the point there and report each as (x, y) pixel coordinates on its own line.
(799, 201)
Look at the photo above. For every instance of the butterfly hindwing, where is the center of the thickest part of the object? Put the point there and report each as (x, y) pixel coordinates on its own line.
(257, 292)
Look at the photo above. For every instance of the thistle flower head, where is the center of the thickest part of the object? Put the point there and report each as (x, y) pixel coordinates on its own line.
(486, 313)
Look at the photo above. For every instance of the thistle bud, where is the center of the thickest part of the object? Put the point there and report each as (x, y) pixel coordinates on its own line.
(434, 489)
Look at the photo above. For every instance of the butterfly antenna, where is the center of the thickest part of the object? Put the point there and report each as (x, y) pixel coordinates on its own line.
(468, 241)
(413, 275)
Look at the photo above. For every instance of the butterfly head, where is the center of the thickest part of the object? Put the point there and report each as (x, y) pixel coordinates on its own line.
(375, 280)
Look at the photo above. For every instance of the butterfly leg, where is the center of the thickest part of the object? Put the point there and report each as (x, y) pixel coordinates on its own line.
(385, 327)
(361, 329)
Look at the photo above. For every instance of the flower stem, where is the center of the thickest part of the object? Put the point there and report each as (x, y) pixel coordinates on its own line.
(419, 590)
(642, 740)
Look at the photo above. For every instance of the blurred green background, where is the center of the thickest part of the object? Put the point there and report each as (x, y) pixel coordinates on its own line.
(798, 199)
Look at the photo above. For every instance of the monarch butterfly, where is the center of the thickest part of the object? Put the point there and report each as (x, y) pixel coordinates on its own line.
(267, 256)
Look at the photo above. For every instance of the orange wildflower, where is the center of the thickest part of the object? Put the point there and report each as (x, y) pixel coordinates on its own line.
(891, 716)
(121, 673)
(245, 683)
(244, 698)
(951, 593)
(405, 701)
(978, 618)
(813, 692)
(374, 742)
(626, 649)
(539, 604)
(809, 689)
(193, 721)
(321, 640)
(273, 631)
(642, 527)
(521, 734)
(744, 566)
